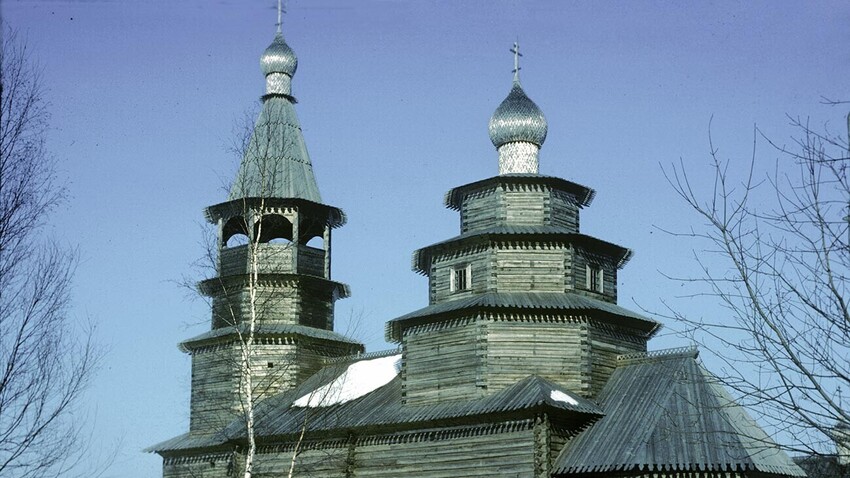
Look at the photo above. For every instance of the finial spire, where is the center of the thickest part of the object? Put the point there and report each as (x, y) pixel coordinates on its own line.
(517, 54)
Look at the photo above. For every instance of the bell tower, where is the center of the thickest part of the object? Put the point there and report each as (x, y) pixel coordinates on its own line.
(273, 297)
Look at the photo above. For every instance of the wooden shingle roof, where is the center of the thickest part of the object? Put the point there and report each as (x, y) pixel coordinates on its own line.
(669, 413)
(583, 194)
(542, 301)
(383, 410)
(422, 257)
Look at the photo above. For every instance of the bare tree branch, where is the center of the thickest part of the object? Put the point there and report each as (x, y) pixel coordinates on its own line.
(43, 370)
(776, 255)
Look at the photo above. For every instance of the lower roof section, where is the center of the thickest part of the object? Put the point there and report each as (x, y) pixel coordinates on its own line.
(224, 334)
(383, 410)
(527, 301)
(665, 412)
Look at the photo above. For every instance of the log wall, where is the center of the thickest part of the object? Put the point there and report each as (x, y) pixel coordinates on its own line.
(606, 343)
(499, 449)
(278, 364)
(443, 361)
(557, 351)
(283, 302)
(531, 267)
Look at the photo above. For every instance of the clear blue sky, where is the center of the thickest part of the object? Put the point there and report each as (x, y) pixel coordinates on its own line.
(394, 99)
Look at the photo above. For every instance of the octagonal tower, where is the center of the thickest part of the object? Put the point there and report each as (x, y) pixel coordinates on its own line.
(521, 290)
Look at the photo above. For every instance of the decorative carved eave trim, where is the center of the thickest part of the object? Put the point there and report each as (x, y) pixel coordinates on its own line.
(217, 285)
(286, 334)
(461, 312)
(583, 194)
(333, 217)
(519, 237)
(658, 355)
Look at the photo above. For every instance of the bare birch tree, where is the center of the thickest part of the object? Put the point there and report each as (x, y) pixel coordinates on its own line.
(776, 254)
(43, 370)
(244, 306)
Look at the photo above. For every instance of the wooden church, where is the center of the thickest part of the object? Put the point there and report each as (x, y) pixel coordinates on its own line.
(522, 364)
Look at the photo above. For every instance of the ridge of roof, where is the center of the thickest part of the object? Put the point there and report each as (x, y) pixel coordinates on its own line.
(691, 351)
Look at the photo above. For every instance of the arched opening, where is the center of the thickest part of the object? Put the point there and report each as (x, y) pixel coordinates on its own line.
(235, 232)
(274, 228)
(311, 233)
(316, 242)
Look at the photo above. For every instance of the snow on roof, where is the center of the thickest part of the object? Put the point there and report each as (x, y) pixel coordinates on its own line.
(359, 379)
(560, 396)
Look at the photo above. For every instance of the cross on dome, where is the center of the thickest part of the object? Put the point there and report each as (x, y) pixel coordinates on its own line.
(517, 54)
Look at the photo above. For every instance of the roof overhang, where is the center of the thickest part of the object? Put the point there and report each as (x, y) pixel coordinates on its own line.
(334, 217)
(536, 234)
(583, 194)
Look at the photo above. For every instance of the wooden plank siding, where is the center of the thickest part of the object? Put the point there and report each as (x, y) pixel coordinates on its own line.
(581, 259)
(481, 210)
(531, 267)
(273, 259)
(557, 351)
(606, 343)
(443, 361)
(499, 449)
(527, 266)
(481, 274)
(518, 205)
(564, 211)
(204, 465)
(476, 356)
(278, 364)
(285, 302)
(312, 459)
(488, 451)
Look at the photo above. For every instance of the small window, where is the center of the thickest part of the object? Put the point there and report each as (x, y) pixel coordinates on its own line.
(271, 364)
(461, 278)
(594, 278)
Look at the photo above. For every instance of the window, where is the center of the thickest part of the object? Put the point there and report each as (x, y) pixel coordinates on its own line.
(594, 278)
(461, 278)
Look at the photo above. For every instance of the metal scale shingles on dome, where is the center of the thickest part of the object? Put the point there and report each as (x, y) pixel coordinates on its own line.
(275, 163)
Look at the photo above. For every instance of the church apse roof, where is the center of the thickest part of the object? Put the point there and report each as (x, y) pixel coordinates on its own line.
(664, 411)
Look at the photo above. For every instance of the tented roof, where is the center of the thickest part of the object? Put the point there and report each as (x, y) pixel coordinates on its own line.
(669, 413)
(275, 163)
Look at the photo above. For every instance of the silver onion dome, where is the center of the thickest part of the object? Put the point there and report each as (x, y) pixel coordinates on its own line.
(279, 58)
(518, 119)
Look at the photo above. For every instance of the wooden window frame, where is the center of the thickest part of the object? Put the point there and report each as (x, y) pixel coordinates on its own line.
(595, 278)
(461, 274)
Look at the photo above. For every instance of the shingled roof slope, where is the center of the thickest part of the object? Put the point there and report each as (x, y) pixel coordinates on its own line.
(669, 413)
(383, 410)
(524, 300)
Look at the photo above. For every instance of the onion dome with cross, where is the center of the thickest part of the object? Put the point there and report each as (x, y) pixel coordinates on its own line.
(518, 128)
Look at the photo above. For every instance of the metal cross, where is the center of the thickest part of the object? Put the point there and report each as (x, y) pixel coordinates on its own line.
(517, 54)
(279, 14)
